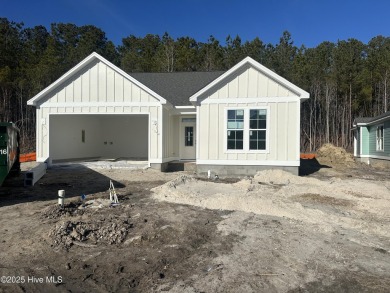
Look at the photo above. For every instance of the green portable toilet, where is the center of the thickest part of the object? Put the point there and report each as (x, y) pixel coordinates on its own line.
(9, 150)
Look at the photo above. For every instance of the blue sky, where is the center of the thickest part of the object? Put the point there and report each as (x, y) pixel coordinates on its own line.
(309, 21)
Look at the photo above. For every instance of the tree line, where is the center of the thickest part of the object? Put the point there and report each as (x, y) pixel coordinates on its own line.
(345, 79)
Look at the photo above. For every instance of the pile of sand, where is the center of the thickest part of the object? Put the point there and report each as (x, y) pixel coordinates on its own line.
(279, 193)
(336, 155)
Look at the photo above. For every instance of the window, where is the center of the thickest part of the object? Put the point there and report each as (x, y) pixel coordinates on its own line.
(379, 138)
(189, 136)
(247, 129)
(235, 130)
(257, 129)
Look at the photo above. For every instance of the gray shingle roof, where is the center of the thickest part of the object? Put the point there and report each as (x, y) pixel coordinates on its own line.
(363, 120)
(371, 119)
(177, 87)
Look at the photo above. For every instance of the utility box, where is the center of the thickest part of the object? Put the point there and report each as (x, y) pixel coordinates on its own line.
(9, 150)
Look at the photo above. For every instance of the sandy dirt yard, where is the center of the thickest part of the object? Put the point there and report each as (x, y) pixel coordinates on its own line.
(325, 231)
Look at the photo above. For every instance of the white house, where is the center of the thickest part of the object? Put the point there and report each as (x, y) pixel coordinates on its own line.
(234, 122)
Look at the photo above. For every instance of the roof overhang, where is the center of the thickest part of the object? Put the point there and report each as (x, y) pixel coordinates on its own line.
(303, 95)
(88, 60)
(373, 122)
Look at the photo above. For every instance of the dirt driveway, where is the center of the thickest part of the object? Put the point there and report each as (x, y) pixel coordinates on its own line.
(327, 231)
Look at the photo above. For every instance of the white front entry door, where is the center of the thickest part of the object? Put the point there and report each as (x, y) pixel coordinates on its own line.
(188, 141)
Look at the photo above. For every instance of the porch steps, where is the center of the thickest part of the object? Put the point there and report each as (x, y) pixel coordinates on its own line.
(181, 166)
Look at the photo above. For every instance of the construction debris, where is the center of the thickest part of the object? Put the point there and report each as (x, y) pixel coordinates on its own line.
(113, 196)
(33, 175)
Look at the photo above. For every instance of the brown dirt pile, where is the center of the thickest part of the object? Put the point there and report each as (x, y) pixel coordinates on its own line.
(112, 231)
(336, 155)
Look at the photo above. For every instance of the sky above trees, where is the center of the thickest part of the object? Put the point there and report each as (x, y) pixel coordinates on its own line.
(309, 22)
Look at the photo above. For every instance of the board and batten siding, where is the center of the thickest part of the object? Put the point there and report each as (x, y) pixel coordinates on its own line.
(250, 83)
(249, 88)
(98, 89)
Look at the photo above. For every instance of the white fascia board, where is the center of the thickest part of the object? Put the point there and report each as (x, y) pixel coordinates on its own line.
(378, 121)
(251, 100)
(249, 163)
(186, 113)
(180, 110)
(185, 107)
(303, 95)
(98, 104)
(33, 101)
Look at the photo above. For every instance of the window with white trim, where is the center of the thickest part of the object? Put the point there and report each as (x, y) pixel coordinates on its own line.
(246, 129)
(257, 129)
(379, 138)
(235, 129)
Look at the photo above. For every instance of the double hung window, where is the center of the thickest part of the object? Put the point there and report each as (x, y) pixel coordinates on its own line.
(257, 129)
(247, 129)
(235, 130)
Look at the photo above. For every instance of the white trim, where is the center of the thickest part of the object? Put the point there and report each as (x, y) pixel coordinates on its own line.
(303, 95)
(94, 56)
(149, 138)
(99, 104)
(181, 137)
(160, 129)
(246, 130)
(248, 163)
(99, 113)
(185, 107)
(383, 138)
(185, 113)
(197, 132)
(361, 140)
(250, 100)
(298, 132)
(355, 143)
(381, 120)
(375, 157)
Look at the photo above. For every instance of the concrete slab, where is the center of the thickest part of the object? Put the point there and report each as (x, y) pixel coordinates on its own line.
(104, 164)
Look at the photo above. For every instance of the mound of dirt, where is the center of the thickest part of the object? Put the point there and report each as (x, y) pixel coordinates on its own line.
(90, 233)
(336, 155)
(57, 212)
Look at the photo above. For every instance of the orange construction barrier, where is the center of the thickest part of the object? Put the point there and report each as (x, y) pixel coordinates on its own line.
(31, 157)
(308, 156)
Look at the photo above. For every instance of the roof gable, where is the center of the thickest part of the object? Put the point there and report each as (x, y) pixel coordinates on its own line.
(94, 57)
(248, 64)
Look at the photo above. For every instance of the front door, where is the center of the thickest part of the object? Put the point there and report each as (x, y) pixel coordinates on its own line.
(188, 141)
